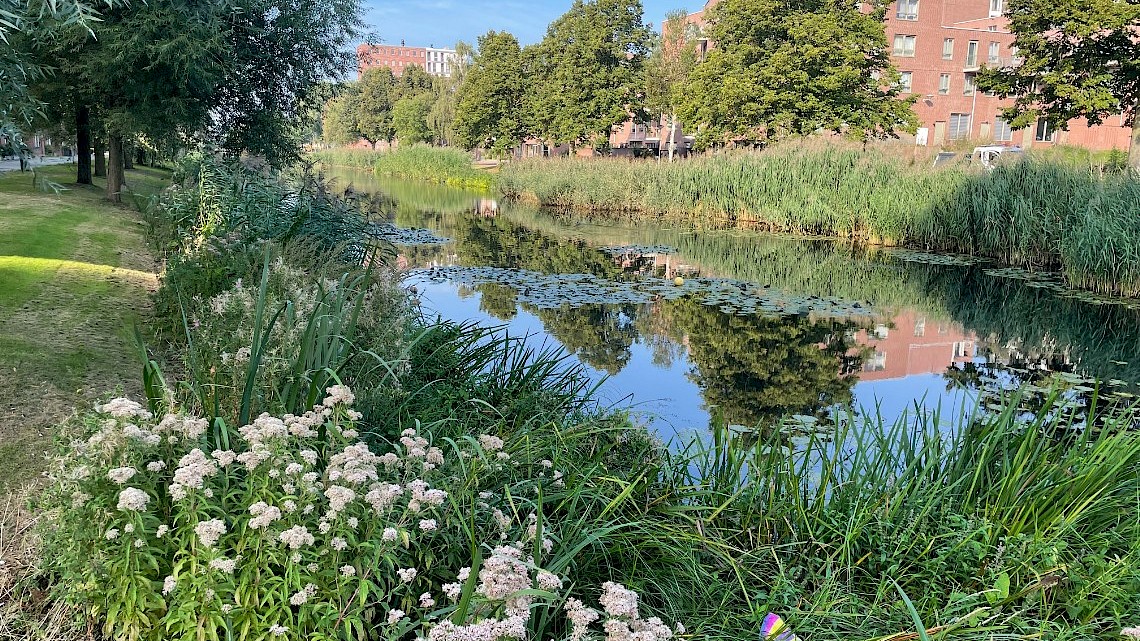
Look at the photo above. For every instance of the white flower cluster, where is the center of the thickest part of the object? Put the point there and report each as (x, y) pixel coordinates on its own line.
(490, 442)
(177, 425)
(263, 514)
(503, 576)
(192, 472)
(210, 531)
(296, 537)
(264, 429)
(299, 598)
(383, 496)
(133, 500)
(225, 565)
(121, 475)
(339, 395)
(355, 464)
(123, 408)
(623, 622)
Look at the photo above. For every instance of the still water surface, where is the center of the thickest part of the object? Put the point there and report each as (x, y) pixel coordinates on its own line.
(764, 326)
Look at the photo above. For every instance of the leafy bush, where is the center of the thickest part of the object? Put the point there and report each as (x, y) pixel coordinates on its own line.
(300, 531)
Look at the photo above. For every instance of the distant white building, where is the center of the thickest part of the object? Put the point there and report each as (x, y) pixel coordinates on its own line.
(440, 61)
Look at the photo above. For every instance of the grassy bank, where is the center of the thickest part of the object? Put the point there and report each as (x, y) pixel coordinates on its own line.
(1034, 213)
(75, 275)
(467, 487)
(416, 162)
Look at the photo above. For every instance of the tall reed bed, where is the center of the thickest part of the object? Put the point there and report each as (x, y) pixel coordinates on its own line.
(1033, 213)
(417, 162)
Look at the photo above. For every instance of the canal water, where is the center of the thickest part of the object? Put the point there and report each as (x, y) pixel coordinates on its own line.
(758, 328)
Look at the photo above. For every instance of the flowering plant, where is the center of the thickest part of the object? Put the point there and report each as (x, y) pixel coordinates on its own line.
(301, 531)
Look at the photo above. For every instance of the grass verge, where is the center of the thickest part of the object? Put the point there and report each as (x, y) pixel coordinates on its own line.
(75, 274)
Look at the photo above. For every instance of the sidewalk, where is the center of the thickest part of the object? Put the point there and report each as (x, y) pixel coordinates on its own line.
(14, 165)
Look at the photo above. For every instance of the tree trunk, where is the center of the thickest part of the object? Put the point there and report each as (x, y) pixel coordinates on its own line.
(100, 158)
(1134, 147)
(128, 156)
(672, 135)
(115, 168)
(83, 144)
(140, 156)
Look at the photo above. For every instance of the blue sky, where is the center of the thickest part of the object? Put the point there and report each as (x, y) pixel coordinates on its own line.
(441, 22)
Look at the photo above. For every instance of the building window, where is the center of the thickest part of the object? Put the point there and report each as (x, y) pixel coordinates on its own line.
(904, 46)
(908, 10)
(972, 54)
(995, 49)
(968, 84)
(1045, 131)
(948, 49)
(906, 80)
(1002, 131)
(959, 126)
(944, 83)
(920, 326)
(996, 7)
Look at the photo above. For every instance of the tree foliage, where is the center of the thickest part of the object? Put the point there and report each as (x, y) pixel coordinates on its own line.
(374, 107)
(794, 67)
(667, 71)
(587, 74)
(339, 124)
(1080, 59)
(490, 111)
(410, 118)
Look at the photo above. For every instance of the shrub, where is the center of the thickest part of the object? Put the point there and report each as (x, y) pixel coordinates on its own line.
(300, 531)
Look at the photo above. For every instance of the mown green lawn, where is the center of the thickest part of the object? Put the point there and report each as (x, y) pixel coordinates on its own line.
(75, 276)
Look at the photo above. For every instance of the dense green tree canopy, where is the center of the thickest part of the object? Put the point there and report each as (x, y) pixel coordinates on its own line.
(794, 67)
(375, 100)
(409, 118)
(445, 108)
(340, 118)
(587, 75)
(490, 110)
(1081, 59)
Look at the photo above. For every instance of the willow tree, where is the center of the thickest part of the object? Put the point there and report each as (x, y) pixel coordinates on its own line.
(1079, 59)
(781, 68)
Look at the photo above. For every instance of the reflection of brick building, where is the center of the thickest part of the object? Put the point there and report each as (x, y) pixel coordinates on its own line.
(914, 344)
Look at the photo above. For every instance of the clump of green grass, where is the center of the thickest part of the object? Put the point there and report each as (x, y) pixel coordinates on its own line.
(417, 162)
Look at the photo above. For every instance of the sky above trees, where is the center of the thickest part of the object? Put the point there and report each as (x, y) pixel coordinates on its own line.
(442, 22)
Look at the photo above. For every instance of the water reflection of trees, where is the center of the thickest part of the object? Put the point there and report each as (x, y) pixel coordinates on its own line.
(754, 370)
(1016, 325)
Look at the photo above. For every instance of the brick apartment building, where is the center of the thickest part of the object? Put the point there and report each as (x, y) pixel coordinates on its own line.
(938, 46)
(436, 61)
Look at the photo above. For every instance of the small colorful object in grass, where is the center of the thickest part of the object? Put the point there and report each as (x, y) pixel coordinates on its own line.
(678, 281)
(774, 629)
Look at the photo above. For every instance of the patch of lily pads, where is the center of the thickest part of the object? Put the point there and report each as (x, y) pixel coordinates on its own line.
(406, 235)
(554, 291)
(621, 250)
(953, 260)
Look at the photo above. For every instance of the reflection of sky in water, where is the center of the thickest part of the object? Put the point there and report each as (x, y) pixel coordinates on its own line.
(665, 397)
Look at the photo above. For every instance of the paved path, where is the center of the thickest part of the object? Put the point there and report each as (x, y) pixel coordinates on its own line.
(14, 165)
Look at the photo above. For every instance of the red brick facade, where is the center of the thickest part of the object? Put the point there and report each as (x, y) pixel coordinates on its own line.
(395, 58)
(939, 46)
(938, 75)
